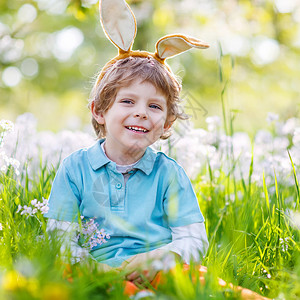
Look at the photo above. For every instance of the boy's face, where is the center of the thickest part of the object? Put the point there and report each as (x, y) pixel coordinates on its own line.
(137, 118)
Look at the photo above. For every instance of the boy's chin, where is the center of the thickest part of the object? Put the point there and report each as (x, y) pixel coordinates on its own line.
(138, 146)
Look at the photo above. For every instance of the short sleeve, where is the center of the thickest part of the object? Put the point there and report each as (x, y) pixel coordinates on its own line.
(180, 202)
(64, 197)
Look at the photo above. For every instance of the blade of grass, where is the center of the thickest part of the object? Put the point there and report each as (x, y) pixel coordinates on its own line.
(296, 180)
(266, 194)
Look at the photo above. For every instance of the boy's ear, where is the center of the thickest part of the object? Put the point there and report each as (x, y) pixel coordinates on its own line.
(98, 116)
(168, 124)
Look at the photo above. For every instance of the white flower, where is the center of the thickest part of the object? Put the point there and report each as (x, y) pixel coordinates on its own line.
(144, 294)
(6, 125)
(284, 244)
(19, 208)
(6, 162)
(272, 117)
(295, 218)
(33, 202)
(44, 209)
(91, 235)
(213, 123)
(41, 206)
(3, 169)
(296, 137)
(45, 201)
(290, 126)
(36, 207)
(1, 227)
(13, 162)
(27, 211)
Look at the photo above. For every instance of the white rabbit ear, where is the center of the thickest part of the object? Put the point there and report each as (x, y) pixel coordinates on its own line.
(118, 22)
(172, 45)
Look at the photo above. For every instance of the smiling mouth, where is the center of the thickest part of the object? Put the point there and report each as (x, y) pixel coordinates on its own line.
(137, 129)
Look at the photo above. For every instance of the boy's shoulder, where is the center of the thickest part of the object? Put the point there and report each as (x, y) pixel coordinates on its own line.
(77, 155)
(165, 161)
(83, 156)
(169, 168)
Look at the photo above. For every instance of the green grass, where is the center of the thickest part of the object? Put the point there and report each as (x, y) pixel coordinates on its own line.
(251, 244)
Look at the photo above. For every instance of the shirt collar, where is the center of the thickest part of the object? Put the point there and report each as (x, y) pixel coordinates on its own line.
(98, 159)
(96, 156)
(146, 163)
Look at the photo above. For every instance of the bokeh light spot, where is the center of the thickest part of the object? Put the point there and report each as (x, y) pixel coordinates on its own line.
(266, 50)
(53, 7)
(66, 42)
(286, 6)
(11, 76)
(27, 13)
(30, 67)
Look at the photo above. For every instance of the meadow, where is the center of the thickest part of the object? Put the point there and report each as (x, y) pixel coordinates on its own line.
(248, 192)
(244, 168)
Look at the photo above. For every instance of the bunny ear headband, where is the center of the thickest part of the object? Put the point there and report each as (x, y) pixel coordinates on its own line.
(119, 25)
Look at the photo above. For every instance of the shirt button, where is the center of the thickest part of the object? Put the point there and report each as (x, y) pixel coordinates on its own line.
(118, 185)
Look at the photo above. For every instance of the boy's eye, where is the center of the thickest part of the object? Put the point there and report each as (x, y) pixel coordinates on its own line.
(126, 101)
(155, 106)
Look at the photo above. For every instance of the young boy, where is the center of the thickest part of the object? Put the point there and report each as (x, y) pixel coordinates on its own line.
(141, 198)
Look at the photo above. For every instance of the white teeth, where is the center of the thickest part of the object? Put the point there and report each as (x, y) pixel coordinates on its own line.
(136, 128)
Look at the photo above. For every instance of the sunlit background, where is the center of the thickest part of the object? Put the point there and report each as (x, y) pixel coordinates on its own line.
(50, 51)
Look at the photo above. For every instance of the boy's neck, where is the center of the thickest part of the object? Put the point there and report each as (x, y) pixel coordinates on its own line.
(126, 157)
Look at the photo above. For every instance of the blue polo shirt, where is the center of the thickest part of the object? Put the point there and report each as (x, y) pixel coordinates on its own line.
(138, 216)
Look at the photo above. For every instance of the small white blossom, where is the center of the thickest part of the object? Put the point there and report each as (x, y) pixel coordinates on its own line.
(44, 209)
(144, 294)
(90, 235)
(6, 125)
(284, 244)
(6, 162)
(295, 219)
(296, 137)
(272, 117)
(213, 123)
(1, 227)
(36, 206)
(290, 126)
(3, 169)
(33, 202)
(27, 211)
(19, 208)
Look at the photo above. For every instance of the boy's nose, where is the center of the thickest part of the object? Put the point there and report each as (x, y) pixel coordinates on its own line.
(141, 115)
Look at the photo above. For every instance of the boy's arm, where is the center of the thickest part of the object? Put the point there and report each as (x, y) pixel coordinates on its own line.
(189, 242)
